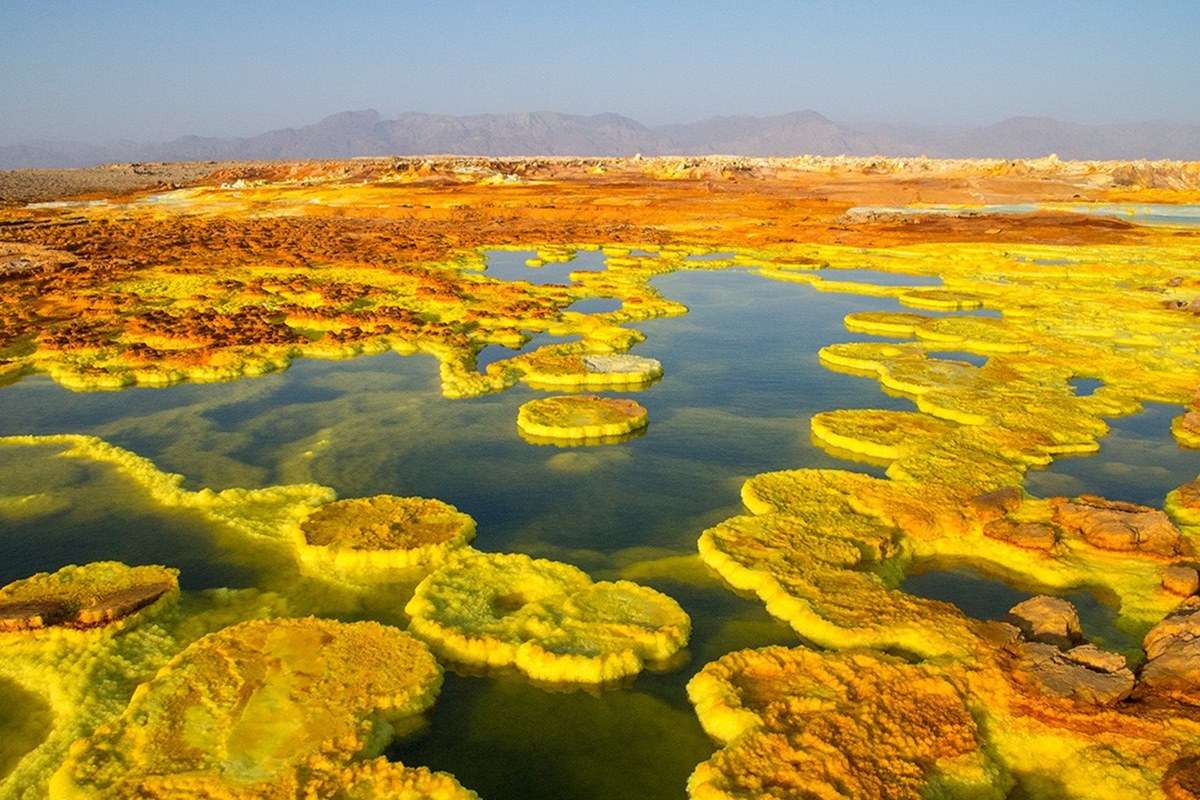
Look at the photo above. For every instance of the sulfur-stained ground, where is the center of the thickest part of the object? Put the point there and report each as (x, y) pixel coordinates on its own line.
(1012, 281)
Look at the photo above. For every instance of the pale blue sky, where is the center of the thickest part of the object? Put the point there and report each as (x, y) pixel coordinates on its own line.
(149, 71)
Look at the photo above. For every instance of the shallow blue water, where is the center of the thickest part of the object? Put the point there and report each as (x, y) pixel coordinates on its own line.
(959, 355)
(509, 265)
(1085, 386)
(595, 305)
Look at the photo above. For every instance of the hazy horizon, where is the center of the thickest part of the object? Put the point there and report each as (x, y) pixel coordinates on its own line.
(154, 72)
(304, 124)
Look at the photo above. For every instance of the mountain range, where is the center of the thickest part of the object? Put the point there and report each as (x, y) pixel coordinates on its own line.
(545, 133)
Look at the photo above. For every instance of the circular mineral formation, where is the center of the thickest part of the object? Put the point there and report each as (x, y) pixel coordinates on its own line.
(580, 417)
(547, 619)
(363, 535)
(90, 596)
(268, 709)
(553, 368)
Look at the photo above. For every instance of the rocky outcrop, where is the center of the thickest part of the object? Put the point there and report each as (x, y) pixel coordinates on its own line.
(1052, 658)
(1085, 673)
(1116, 525)
(1029, 535)
(994, 505)
(1172, 668)
(1049, 620)
(1181, 580)
(90, 596)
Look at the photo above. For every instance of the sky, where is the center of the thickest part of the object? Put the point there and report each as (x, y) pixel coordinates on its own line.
(103, 71)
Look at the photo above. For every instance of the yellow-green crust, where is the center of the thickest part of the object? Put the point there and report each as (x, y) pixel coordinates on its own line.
(88, 596)
(363, 535)
(547, 619)
(581, 417)
(265, 709)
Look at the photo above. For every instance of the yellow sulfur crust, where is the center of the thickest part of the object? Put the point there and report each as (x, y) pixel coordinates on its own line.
(546, 619)
(580, 417)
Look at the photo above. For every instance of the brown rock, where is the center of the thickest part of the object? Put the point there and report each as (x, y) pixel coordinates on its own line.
(1182, 781)
(1030, 535)
(1002, 634)
(1085, 674)
(1093, 657)
(85, 596)
(1115, 525)
(1046, 619)
(25, 616)
(995, 504)
(1172, 648)
(1181, 580)
(1182, 623)
(109, 607)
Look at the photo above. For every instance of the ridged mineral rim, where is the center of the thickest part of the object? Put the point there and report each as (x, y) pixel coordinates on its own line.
(581, 417)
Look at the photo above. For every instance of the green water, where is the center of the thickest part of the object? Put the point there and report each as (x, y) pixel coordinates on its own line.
(741, 381)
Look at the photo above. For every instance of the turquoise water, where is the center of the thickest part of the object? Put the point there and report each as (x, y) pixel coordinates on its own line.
(718, 417)
(742, 379)
(1169, 214)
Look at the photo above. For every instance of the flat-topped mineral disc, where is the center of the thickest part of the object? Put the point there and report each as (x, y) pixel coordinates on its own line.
(563, 369)
(361, 535)
(580, 417)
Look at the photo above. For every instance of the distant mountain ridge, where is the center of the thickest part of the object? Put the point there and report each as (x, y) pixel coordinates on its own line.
(548, 133)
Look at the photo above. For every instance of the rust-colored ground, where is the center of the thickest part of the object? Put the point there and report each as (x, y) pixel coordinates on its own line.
(68, 260)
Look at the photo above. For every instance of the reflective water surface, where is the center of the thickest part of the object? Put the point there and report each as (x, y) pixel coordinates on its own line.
(1138, 461)
(742, 379)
